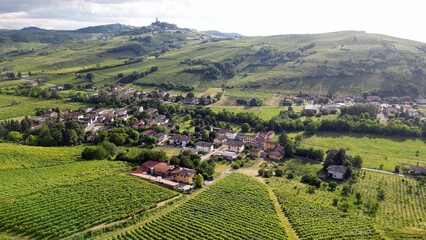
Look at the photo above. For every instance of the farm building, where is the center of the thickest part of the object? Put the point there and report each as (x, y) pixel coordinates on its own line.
(184, 175)
(337, 171)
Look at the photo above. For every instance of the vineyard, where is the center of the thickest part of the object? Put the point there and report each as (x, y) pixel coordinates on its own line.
(63, 210)
(14, 156)
(236, 207)
(402, 213)
(313, 220)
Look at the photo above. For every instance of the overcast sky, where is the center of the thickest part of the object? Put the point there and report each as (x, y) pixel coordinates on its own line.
(400, 18)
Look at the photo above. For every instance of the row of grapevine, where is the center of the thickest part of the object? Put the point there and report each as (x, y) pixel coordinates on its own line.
(403, 206)
(236, 207)
(64, 210)
(313, 220)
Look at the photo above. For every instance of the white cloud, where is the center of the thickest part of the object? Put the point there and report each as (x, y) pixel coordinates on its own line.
(393, 17)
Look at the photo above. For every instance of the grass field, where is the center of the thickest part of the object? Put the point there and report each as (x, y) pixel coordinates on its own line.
(54, 202)
(15, 156)
(375, 150)
(28, 105)
(264, 112)
(235, 207)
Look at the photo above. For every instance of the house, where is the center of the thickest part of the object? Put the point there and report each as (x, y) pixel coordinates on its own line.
(374, 99)
(287, 102)
(277, 154)
(269, 145)
(226, 155)
(228, 134)
(417, 169)
(250, 139)
(358, 99)
(337, 171)
(149, 132)
(393, 100)
(191, 101)
(311, 109)
(255, 151)
(329, 109)
(412, 112)
(160, 136)
(160, 120)
(180, 140)
(86, 109)
(137, 109)
(204, 147)
(421, 101)
(152, 111)
(185, 175)
(220, 139)
(235, 146)
(155, 168)
(299, 100)
(139, 124)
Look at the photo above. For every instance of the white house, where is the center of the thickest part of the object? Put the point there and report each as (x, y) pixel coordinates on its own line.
(204, 147)
(337, 171)
(178, 139)
(235, 146)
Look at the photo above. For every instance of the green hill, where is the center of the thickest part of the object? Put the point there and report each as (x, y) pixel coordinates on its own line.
(339, 63)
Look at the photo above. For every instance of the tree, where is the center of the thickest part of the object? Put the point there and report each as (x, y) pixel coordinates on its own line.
(358, 197)
(190, 95)
(245, 128)
(90, 153)
(198, 181)
(283, 138)
(14, 136)
(279, 172)
(332, 186)
(109, 147)
(90, 77)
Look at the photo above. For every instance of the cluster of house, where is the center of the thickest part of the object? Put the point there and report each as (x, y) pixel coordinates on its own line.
(261, 145)
(389, 106)
(167, 174)
(97, 119)
(316, 98)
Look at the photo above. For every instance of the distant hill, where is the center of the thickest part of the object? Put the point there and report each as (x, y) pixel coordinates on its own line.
(222, 34)
(32, 29)
(110, 28)
(338, 63)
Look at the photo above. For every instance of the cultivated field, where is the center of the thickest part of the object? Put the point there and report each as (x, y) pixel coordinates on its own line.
(236, 207)
(15, 156)
(62, 210)
(402, 214)
(312, 220)
(375, 150)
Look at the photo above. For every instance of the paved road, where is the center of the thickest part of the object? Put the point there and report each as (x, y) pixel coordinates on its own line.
(386, 172)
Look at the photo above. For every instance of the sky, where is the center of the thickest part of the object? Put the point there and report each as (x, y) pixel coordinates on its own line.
(399, 18)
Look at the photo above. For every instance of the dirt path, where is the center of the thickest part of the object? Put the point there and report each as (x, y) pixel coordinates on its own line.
(253, 172)
(292, 235)
(103, 225)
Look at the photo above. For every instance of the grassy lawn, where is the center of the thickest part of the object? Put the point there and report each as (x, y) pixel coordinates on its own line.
(375, 150)
(27, 106)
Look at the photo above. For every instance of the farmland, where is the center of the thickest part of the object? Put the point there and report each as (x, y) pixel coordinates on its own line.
(14, 156)
(27, 106)
(402, 214)
(317, 221)
(236, 207)
(375, 150)
(63, 210)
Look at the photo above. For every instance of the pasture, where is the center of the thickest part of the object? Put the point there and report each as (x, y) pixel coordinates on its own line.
(375, 150)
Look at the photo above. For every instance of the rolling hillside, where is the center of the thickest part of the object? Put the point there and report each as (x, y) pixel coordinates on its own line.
(339, 63)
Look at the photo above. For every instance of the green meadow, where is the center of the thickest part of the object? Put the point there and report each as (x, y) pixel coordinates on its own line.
(375, 150)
